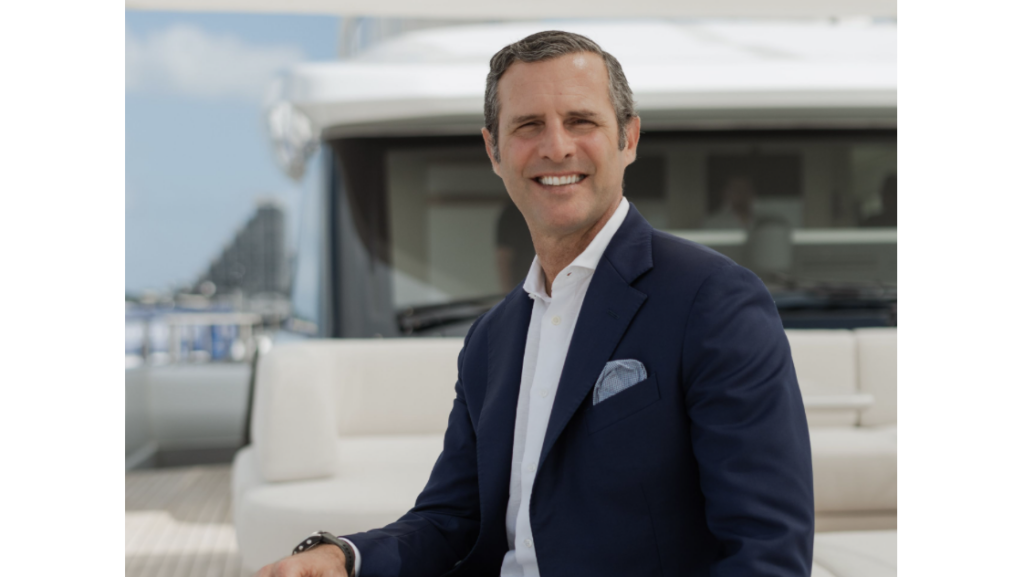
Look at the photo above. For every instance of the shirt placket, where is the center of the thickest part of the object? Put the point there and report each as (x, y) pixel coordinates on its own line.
(552, 345)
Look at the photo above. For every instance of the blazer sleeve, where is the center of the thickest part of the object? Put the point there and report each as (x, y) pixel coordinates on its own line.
(442, 527)
(749, 429)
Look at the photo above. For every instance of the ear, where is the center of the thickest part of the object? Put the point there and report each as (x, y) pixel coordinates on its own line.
(632, 139)
(490, 152)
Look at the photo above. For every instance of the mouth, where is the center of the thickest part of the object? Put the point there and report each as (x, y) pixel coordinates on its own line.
(563, 180)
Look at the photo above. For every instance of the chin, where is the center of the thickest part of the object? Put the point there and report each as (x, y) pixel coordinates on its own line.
(565, 221)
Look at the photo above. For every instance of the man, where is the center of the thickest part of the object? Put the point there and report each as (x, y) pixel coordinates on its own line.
(737, 208)
(514, 254)
(887, 217)
(631, 408)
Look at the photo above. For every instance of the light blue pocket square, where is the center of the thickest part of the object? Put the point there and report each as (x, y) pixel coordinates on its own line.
(618, 376)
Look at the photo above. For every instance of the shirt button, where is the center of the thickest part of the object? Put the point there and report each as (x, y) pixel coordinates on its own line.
(528, 543)
(544, 394)
(556, 320)
(532, 467)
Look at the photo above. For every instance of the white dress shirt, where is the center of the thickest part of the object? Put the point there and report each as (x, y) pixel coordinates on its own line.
(551, 325)
(547, 342)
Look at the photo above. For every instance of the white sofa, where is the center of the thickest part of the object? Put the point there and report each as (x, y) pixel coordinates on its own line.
(345, 433)
(848, 380)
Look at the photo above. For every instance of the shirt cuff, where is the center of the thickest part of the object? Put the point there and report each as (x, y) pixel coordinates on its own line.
(355, 567)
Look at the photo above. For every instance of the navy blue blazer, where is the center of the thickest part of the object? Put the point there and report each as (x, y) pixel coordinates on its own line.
(702, 469)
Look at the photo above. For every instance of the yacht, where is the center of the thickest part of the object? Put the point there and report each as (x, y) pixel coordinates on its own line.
(773, 142)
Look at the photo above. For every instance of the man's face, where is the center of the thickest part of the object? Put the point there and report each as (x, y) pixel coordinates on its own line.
(558, 138)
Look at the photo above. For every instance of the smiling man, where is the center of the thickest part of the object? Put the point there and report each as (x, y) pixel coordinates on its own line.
(564, 149)
(631, 408)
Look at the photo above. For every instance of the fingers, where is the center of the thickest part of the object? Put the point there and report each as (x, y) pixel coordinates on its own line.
(317, 562)
(286, 567)
(266, 571)
(281, 568)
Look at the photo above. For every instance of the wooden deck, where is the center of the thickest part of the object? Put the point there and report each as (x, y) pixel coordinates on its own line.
(177, 523)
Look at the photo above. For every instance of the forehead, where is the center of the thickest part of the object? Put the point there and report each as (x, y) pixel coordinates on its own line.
(563, 83)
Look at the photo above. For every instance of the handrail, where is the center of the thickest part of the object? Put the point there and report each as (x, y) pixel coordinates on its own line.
(180, 323)
(800, 236)
(857, 401)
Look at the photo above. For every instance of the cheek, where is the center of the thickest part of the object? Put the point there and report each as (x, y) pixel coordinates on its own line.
(515, 156)
(603, 154)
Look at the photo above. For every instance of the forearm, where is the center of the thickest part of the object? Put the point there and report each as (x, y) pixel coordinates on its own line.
(415, 545)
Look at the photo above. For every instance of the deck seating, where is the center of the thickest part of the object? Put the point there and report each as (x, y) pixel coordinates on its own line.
(345, 433)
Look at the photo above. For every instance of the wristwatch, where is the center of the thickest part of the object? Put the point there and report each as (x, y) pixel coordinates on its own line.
(325, 537)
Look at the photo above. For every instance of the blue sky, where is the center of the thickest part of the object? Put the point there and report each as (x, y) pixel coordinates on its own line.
(197, 155)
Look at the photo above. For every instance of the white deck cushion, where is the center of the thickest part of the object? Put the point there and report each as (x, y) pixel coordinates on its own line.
(856, 553)
(854, 468)
(293, 422)
(308, 393)
(393, 386)
(825, 363)
(876, 365)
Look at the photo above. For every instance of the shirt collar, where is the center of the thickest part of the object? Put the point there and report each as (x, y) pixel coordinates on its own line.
(588, 259)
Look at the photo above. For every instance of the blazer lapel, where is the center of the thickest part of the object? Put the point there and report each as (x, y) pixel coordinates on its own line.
(608, 308)
(506, 343)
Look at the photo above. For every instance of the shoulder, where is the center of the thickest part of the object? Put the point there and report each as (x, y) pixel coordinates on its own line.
(477, 335)
(720, 295)
(693, 279)
(679, 249)
(677, 260)
(496, 311)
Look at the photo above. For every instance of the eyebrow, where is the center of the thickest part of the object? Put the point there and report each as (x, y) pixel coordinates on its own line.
(572, 113)
(525, 118)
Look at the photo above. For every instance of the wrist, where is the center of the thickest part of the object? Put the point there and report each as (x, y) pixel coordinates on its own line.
(336, 555)
(334, 551)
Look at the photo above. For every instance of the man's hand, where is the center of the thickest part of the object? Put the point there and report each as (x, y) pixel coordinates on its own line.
(324, 560)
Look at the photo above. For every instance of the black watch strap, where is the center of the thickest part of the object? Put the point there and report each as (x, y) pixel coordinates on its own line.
(325, 537)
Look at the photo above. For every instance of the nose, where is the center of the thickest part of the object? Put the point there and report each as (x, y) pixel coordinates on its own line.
(557, 144)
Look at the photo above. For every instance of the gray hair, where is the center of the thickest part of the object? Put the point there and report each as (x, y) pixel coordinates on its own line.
(545, 46)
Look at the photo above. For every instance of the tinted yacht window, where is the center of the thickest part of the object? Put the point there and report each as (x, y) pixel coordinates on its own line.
(426, 238)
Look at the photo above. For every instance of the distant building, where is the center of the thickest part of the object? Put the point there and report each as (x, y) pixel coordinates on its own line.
(255, 262)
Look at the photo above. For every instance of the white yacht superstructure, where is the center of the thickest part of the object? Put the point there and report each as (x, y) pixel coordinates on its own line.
(724, 74)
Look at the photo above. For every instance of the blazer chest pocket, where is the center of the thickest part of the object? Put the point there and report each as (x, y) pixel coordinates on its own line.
(624, 404)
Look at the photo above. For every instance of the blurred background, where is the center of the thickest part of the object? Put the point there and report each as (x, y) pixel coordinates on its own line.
(294, 176)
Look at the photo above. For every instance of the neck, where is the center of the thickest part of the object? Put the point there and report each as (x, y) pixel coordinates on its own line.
(555, 252)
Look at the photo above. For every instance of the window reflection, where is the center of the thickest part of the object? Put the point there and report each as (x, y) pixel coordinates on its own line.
(886, 217)
(817, 206)
(445, 205)
(514, 247)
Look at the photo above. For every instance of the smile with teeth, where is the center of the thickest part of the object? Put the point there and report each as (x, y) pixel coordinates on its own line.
(560, 180)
